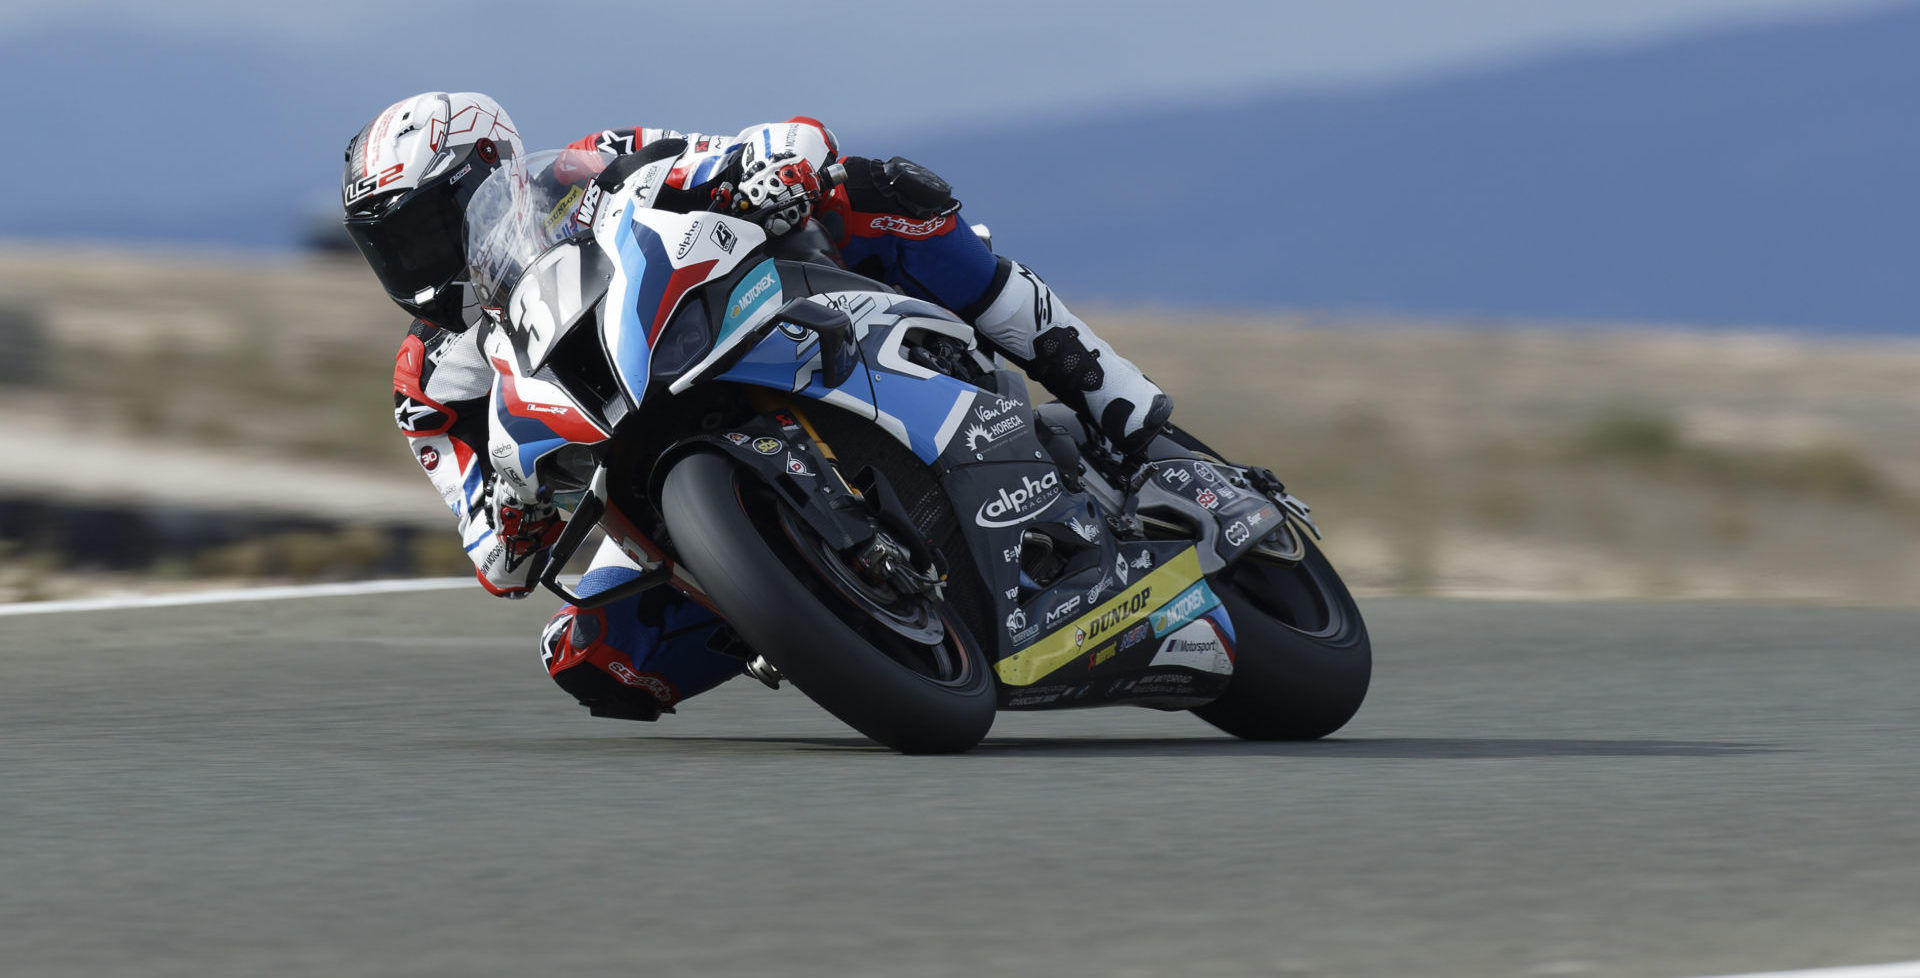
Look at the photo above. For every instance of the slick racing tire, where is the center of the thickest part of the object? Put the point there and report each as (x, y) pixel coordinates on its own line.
(764, 573)
(1302, 661)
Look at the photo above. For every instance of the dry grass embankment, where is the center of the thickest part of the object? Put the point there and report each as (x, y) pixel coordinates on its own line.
(1441, 458)
(1603, 462)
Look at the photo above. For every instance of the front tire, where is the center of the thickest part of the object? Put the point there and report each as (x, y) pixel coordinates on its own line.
(1302, 659)
(916, 700)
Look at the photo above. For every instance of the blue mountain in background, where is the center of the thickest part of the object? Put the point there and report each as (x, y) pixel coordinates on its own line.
(1768, 175)
(1761, 175)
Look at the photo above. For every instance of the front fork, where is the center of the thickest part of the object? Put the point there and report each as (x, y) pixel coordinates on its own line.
(856, 514)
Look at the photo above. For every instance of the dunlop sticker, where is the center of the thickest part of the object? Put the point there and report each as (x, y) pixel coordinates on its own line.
(1102, 623)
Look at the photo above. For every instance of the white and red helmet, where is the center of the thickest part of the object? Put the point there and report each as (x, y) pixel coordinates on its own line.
(409, 175)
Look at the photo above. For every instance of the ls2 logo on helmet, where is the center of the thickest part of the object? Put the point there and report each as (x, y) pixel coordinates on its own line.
(370, 183)
(1010, 507)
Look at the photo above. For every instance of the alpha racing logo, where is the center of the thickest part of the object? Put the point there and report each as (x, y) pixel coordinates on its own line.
(1010, 507)
(687, 241)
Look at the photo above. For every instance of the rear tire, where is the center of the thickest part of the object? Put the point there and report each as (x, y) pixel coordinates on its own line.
(1302, 659)
(916, 700)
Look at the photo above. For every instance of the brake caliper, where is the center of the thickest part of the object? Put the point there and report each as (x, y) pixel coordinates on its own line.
(887, 561)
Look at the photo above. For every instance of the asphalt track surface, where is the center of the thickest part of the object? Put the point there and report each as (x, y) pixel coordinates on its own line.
(390, 785)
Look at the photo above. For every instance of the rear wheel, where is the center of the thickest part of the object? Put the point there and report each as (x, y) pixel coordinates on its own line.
(1302, 660)
(900, 669)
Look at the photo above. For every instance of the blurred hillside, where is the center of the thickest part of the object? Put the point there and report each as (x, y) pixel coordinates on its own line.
(202, 416)
(1440, 457)
(1739, 175)
(1751, 176)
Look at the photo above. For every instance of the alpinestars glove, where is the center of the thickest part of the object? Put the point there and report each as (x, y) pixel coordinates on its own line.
(522, 530)
(779, 194)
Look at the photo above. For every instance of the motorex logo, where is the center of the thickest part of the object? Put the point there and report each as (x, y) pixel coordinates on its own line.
(751, 295)
(1018, 504)
(1192, 603)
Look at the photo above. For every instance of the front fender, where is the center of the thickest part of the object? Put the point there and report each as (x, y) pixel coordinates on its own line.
(787, 461)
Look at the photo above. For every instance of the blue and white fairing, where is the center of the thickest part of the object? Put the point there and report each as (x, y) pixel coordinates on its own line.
(633, 272)
(636, 269)
(659, 258)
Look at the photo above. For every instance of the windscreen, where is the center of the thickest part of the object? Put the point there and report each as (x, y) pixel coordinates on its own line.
(526, 207)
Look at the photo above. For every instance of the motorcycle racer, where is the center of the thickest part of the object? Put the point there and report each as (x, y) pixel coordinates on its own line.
(409, 173)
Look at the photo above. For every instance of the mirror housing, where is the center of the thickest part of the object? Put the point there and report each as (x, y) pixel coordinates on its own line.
(838, 351)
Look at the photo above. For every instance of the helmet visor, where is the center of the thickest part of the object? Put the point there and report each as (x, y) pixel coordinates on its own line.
(414, 245)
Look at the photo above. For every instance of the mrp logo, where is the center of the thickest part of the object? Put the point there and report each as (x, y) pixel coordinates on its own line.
(1029, 499)
(1192, 603)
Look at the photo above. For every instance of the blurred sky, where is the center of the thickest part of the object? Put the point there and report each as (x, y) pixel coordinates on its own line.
(893, 67)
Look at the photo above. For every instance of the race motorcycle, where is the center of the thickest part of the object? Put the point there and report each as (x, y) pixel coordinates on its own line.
(877, 510)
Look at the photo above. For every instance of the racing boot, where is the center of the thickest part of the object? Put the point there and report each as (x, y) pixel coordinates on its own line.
(1023, 317)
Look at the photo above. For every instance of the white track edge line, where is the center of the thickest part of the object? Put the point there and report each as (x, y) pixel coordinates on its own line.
(231, 595)
(1901, 969)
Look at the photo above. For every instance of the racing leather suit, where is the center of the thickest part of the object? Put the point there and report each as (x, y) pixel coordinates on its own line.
(891, 221)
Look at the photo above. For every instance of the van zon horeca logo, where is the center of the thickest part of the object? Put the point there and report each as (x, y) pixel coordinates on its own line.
(1021, 503)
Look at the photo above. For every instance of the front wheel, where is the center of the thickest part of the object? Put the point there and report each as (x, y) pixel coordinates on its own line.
(1302, 660)
(868, 659)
